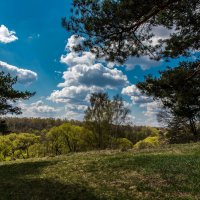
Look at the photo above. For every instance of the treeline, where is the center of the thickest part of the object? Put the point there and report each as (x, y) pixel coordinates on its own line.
(31, 125)
(67, 138)
(105, 126)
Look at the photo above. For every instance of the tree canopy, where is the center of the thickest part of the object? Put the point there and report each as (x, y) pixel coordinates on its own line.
(117, 29)
(179, 95)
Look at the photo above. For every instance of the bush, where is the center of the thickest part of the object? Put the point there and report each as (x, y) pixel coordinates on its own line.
(37, 150)
(149, 142)
(122, 143)
(69, 138)
(14, 146)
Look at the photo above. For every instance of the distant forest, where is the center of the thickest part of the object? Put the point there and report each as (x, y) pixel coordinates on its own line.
(34, 125)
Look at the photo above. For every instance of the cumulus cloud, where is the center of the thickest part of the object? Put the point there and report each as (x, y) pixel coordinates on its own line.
(93, 75)
(24, 75)
(147, 104)
(41, 107)
(76, 94)
(136, 96)
(85, 75)
(74, 41)
(7, 36)
(38, 109)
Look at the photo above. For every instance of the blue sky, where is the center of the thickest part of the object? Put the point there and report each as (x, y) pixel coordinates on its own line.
(39, 52)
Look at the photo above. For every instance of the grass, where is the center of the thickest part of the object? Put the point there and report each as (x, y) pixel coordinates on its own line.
(169, 173)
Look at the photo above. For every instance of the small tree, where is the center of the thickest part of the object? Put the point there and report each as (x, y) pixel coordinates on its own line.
(99, 115)
(104, 113)
(119, 113)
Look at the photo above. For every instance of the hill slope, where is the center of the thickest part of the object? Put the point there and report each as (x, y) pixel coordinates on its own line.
(167, 173)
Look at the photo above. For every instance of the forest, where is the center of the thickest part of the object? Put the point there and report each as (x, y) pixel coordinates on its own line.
(104, 127)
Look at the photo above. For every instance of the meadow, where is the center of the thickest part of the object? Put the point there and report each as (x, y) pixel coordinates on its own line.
(171, 172)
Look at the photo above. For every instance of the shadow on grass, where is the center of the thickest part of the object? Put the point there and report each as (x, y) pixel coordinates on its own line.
(21, 181)
(176, 172)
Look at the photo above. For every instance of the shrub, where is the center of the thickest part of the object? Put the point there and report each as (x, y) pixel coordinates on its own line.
(14, 146)
(149, 142)
(122, 143)
(37, 150)
(69, 138)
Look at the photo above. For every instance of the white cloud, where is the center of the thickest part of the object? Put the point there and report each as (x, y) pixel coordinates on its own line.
(144, 62)
(41, 107)
(34, 36)
(7, 36)
(151, 111)
(84, 76)
(73, 59)
(74, 41)
(93, 75)
(147, 105)
(152, 108)
(24, 75)
(43, 110)
(160, 33)
(75, 94)
(136, 96)
(38, 109)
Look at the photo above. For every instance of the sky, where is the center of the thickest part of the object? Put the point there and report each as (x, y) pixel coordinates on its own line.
(39, 51)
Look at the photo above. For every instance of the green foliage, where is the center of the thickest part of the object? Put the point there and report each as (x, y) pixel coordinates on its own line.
(38, 150)
(178, 90)
(98, 116)
(69, 138)
(8, 95)
(118, 29)
(16, 145)
(122, 143)
(146, 132)
(149, 142)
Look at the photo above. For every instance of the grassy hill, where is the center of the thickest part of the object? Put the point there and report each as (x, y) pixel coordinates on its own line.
(171, 172)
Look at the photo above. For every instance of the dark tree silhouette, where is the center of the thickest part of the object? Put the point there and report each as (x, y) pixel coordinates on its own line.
(9, 96)
(117, 29)
(179, 95)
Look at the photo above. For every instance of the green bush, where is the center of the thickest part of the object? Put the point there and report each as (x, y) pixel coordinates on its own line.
(69, 138)
(122, 143)
(149, 142)
(14, 146)
(38, 150)
(143, 133)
